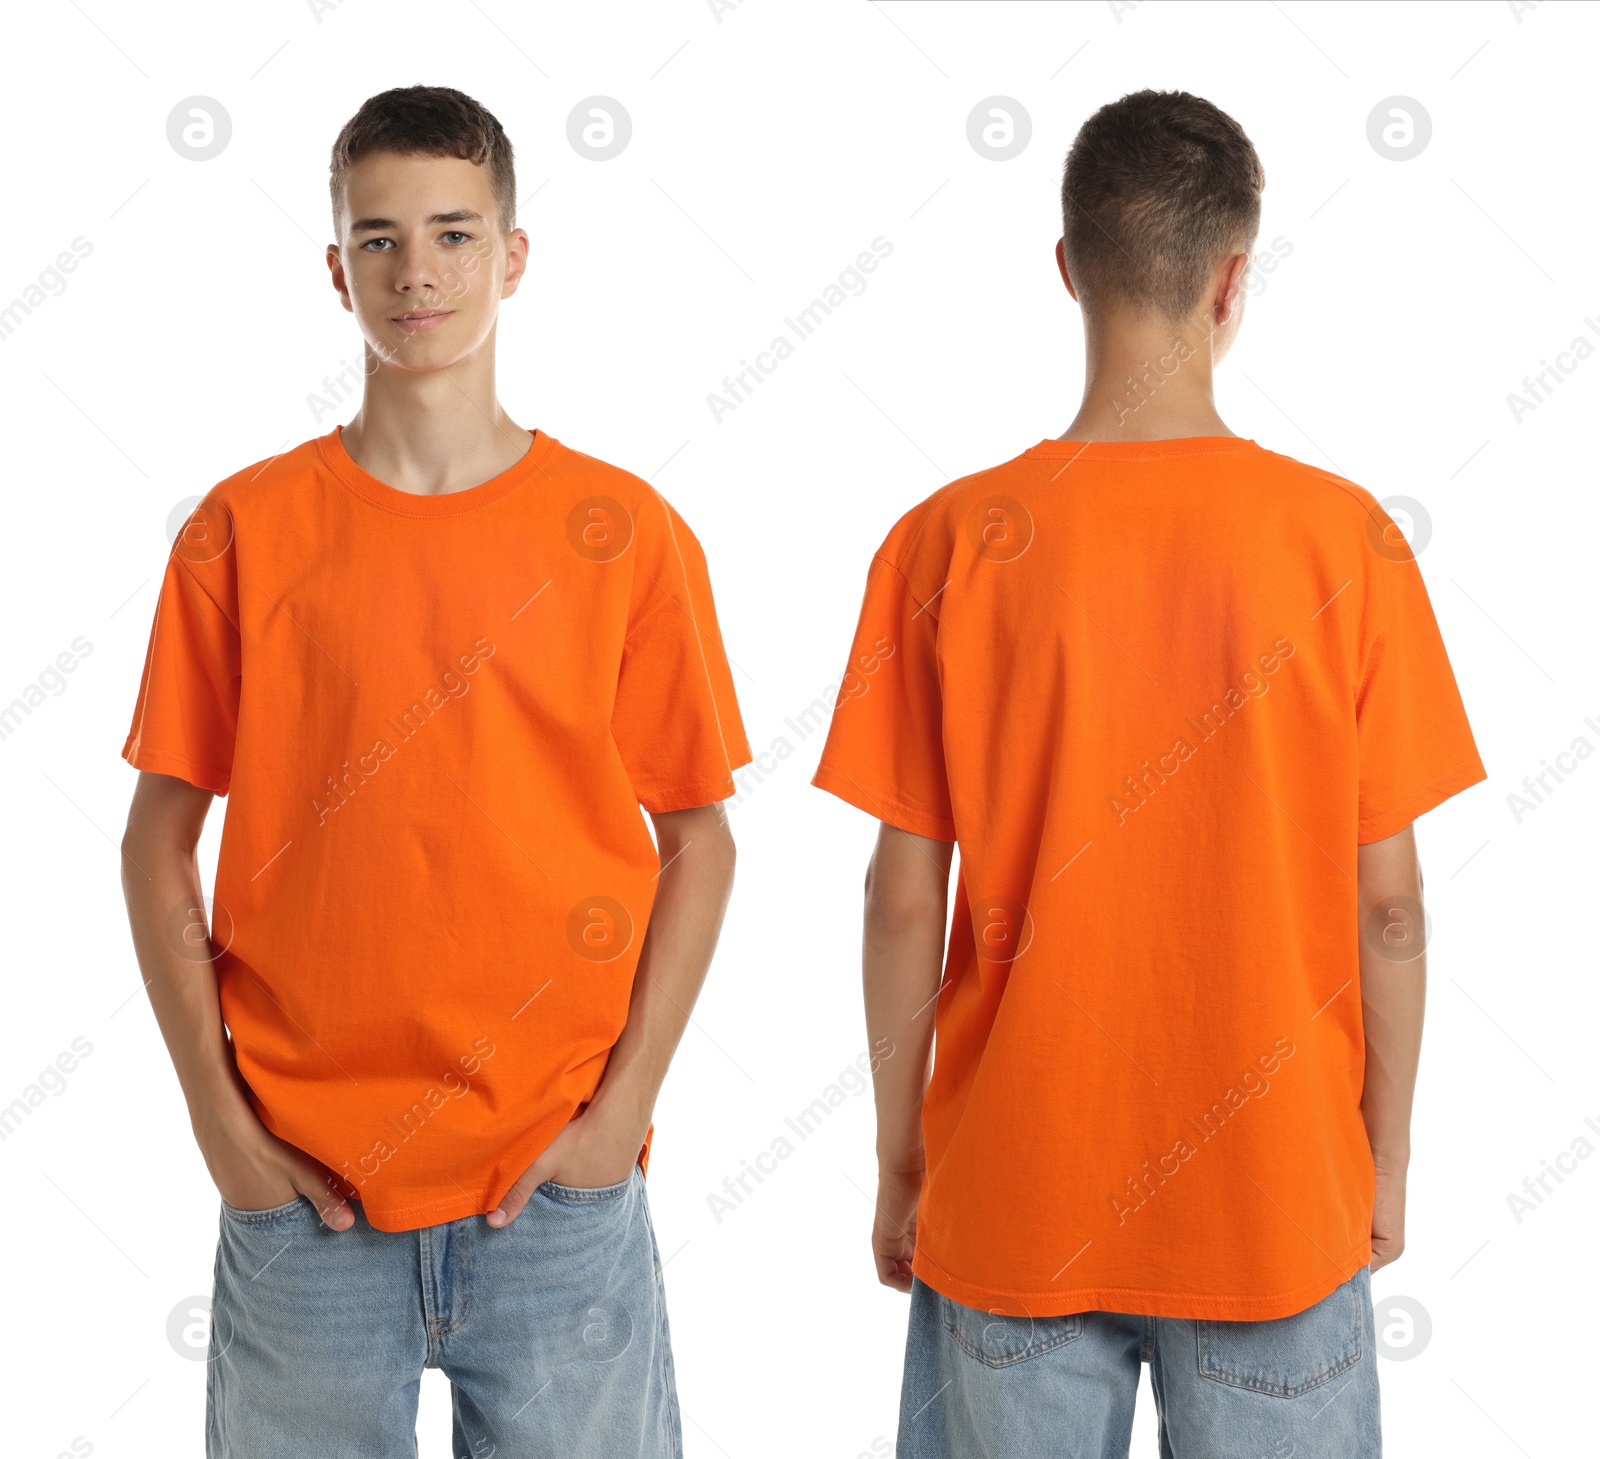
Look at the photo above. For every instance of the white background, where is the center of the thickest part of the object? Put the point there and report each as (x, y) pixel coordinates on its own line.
(769, 147)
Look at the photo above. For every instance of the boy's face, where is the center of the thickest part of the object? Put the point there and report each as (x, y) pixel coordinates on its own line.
(422, 259)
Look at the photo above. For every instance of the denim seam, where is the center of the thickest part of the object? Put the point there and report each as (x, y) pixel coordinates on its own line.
(1282, 1390)
(1073, 1329)
(261, 1218)
(466, 1290)
(578, 1195)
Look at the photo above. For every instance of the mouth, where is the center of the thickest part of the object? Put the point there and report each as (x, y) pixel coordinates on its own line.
(418, 320)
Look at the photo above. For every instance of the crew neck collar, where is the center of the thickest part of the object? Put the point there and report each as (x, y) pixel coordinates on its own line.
(1054, 450)
(442, 504)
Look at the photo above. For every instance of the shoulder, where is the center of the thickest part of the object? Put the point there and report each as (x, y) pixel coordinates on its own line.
(265, 479)
(925, 538)
(1318, 490)
(596, 485)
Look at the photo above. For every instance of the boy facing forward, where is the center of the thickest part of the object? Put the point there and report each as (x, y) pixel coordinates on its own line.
(437, 662)
(1178, 699)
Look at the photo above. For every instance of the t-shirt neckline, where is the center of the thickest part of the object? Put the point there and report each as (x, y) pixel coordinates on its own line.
(1052, 449)
(443, 504)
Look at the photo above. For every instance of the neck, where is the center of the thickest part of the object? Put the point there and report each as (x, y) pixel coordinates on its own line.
(1147, 380)
(436, 431)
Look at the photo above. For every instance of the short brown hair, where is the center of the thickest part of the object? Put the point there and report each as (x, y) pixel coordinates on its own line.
(1157, 188)
(428, 121)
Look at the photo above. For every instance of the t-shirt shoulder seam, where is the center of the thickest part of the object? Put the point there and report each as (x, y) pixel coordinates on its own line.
(195, 578)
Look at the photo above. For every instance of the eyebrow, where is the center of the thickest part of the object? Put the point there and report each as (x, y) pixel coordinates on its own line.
(379, 225)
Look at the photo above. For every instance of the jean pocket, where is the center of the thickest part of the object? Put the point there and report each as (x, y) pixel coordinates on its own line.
(1287, 1356)
(273, 1213)
(578, 1195)
(999, 1339)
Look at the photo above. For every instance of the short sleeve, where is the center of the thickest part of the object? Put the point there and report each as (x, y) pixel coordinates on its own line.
(1415, 745)
(885, 747)
(187, 713)
(676, 719)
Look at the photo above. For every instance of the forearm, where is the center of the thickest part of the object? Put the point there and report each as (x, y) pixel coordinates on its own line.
(902, 959)
(1393, 993)
(167, 917)
(692, 891)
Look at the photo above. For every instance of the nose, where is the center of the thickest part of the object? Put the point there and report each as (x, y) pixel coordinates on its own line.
(418, 276)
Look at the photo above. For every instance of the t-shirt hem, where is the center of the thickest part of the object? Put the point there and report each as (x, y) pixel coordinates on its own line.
(885, 808)
(691, 793)
(1140, 1301)
(164, 762)
(1383, 824)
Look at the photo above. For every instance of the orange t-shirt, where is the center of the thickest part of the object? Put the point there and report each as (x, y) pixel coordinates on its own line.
(1157, 693)
(435, 718)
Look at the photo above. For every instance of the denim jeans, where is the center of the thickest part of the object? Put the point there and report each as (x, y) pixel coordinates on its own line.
(552, 1331)
(981, 1386)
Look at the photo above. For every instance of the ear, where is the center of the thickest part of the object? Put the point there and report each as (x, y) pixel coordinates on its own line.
(1229, 294)
(336, 268)
(1061, 263)
(516, 261)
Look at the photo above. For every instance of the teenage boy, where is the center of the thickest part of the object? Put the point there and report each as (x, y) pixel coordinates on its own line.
(439, 661)
(1178, 700)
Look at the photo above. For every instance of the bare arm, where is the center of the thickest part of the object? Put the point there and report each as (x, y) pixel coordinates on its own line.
(902, 959)
(601, 1145)
(1394, 977)
(252, 1168)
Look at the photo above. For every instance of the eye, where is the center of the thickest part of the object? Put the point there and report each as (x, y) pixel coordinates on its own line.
(377, 245)
(455, 237)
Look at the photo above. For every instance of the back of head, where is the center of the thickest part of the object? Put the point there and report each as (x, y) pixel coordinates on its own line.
(1159, 187)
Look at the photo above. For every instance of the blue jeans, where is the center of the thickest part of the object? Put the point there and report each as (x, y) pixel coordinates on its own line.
(552, 1331)
(981, 1386)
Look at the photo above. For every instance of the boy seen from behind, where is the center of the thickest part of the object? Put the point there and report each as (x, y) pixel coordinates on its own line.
(1178, 700)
